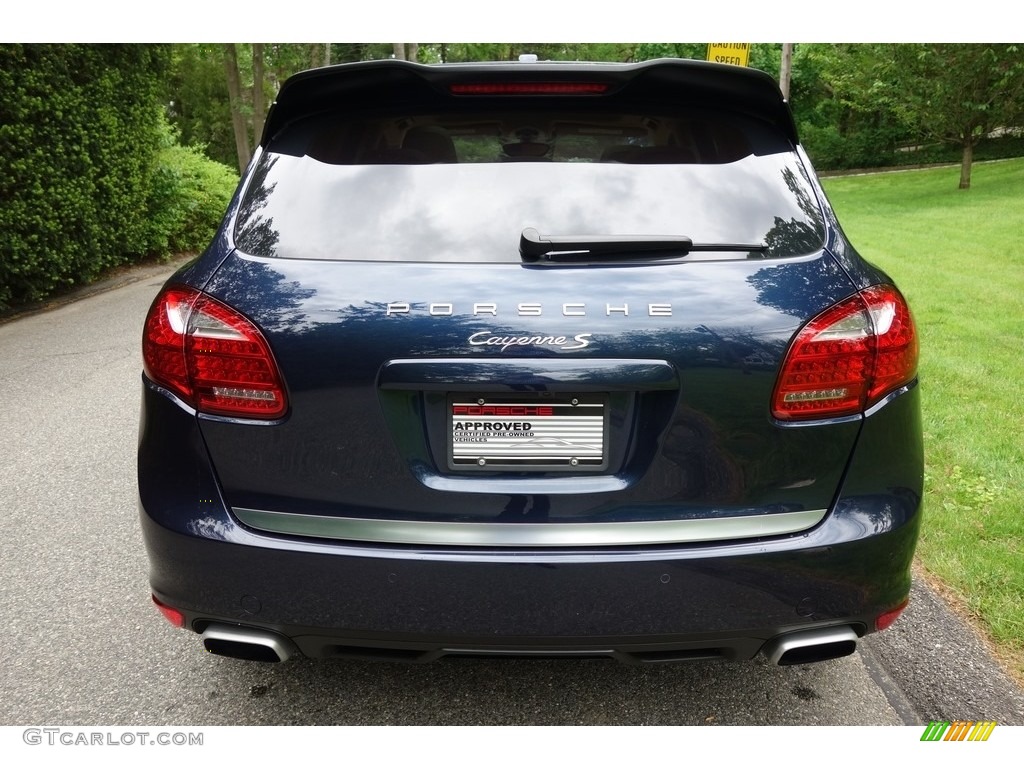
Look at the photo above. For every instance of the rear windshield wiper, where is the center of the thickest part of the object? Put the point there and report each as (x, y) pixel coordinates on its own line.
(536, 248)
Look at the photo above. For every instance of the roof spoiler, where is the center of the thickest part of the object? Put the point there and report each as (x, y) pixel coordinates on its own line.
(690, 82)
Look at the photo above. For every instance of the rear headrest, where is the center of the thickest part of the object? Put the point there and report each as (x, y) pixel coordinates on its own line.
(433, 143)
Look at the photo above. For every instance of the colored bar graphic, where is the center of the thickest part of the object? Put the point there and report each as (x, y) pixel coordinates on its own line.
(934, 730)
(982, 731)
(958, 730)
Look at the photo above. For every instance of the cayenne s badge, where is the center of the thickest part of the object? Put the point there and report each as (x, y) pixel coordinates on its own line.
(486, 339)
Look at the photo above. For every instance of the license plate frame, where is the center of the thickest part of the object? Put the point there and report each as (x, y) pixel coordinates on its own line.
(514, 433)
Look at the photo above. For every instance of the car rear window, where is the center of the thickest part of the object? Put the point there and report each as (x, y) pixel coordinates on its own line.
(462, 186)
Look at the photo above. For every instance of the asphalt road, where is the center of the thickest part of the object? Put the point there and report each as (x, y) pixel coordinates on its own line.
(84, 646)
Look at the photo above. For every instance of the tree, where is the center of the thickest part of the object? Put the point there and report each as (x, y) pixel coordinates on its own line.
(846, 105)
(959, 93)
(259, 101)
(198, 100)
(786, 69)
(458, 52)
(215, 100)
(406, 51)
(238, 107)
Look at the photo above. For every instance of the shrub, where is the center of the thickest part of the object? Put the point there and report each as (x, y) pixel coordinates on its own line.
(78, 138)
(187, 197)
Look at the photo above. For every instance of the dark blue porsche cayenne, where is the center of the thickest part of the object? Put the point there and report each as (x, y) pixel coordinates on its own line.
(530, 359)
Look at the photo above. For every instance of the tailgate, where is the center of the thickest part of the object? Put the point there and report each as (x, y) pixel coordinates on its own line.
(663, 415)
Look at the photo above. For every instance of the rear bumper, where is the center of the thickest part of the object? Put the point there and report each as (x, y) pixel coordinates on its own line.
(641, 603)
(417, 605)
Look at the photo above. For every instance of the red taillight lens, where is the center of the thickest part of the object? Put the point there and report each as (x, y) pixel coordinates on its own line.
(163, 352)
(885, 620)
(848, 357)
(528, 89)
(173, 615)
(211, 356)
(896, 361)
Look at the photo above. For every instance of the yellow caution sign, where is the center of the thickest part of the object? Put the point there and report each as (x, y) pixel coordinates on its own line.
(729, 53)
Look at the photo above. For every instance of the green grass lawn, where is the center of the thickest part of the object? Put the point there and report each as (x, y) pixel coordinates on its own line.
(958, 256)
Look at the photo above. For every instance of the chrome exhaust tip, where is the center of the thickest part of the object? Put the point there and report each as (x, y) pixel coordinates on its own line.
(247, 643)
(811, 645)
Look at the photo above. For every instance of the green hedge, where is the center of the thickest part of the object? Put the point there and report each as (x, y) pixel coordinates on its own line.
(79, 133)
(187, 197)
(831, 152)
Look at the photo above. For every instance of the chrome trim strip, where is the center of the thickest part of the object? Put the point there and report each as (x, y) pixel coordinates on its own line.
(530, 534)
(492, 374)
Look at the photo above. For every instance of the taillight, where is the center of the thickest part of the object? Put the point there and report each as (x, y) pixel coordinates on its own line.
(211, 356)
(173, 615)
(885, 620)
(848, 358)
